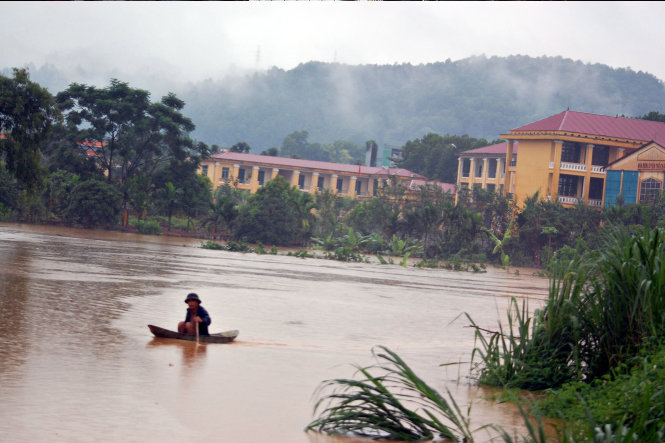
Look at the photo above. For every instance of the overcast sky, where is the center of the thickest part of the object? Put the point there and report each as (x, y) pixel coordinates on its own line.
(191, 41)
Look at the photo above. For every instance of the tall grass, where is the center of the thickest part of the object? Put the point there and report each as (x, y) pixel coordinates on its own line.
(396, 404)
(624, 306)
(602, 307)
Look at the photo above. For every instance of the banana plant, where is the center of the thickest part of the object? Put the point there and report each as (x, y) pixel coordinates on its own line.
(499, 244)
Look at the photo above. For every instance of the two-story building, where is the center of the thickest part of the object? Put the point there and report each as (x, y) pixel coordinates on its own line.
(251, 171)
(484, 167)
(576, 157)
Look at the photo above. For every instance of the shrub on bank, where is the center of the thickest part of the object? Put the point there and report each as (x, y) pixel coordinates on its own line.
(149, 227)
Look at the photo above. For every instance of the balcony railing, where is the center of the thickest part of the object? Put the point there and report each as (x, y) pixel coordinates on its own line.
(574, 200)
(573, 167)
(579, 167)
(568, 200)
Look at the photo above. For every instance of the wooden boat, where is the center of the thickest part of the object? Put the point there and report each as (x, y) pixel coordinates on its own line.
(220, 337)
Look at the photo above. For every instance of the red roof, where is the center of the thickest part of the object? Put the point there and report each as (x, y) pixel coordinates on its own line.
(90, 144)
(601, 125)
(498, 149)
(445, 187)
(312, 164)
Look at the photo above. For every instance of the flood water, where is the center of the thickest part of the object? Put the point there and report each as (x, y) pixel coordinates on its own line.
(77, 362)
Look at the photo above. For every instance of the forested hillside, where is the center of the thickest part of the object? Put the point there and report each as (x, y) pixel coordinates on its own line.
(392, 104)
(479, 96)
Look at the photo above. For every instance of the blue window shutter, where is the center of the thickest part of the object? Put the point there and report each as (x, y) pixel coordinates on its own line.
(630, 186)
(612, 188)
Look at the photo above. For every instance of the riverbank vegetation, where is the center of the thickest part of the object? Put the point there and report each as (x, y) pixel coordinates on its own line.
(594, 354)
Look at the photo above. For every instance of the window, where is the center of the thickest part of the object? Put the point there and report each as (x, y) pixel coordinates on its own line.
(225, 173)
(301, 181)
(262, 177)
(568, 185)
(340, 182)
(491, 187)
(649, 190)
(358, 186)
(596, 188)
(241, 175)
(466, 165)
(204, 169)
(491, 168)
(601, 155)
(320, 182)
(570, 152)
(513, 160)
(479, 168)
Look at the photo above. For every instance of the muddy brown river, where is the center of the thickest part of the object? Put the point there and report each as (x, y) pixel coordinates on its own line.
(78, 364)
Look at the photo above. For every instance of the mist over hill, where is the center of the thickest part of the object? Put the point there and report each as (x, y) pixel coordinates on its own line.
(391, 104)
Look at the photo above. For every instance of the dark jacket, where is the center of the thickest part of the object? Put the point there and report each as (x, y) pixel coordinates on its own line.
(203, 326)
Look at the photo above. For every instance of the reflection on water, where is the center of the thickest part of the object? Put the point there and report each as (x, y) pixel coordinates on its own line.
(77, 362)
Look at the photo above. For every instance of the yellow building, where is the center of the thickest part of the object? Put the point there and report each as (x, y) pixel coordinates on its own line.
(483, 168)
(251, 171)
(565, 157)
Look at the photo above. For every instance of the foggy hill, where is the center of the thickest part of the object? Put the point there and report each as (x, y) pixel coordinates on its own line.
(391, 104)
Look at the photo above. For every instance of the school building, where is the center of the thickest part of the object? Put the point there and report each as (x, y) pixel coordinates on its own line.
(251, 171)
(572, 157)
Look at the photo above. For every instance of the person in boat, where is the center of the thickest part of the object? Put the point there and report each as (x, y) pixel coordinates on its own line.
(195, 314)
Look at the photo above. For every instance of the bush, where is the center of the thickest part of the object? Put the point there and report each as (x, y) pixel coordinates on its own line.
(211, 245)
(149, 227)
(94, 203)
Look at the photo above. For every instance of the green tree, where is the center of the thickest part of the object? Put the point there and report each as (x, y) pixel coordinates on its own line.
(340, 151)
(169, 198)
(296, 143)
(197, 198)
(8, 192)
(134, 136)
(273, 152)
(330, 210)
(381, 214)
(139, 191)
(375, 215)
(277, 214)
(225, 209)
(435, 156)
(27, 114)
(57, 196)
(423, 216)
(94, 203)
(240, 147)
(654, 116)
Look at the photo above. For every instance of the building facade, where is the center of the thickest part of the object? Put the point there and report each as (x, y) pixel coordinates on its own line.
(483, 168)
(251, 171)
(637, 177)
(566, 157)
